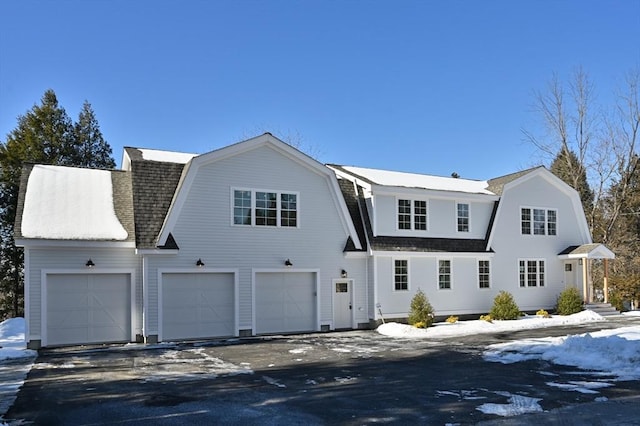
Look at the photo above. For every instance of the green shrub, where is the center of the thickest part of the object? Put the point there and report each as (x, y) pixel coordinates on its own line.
(504, 307)
(421, 310)
(452, 319)
(486, 318)
(616, 300)
(569, 302)
(542, 313)
(420, 324)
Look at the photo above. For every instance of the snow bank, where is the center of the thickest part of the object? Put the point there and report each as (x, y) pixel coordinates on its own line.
(466, 328)
(615, 352)
(12, 343)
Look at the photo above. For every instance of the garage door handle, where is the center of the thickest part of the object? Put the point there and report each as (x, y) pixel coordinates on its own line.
(350, 307)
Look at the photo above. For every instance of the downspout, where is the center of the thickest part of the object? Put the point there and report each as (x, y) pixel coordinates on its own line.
(145, 298)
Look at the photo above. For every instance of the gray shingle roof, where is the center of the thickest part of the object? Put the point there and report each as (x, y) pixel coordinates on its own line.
(154, 184)
(362, 223)
(496, 185)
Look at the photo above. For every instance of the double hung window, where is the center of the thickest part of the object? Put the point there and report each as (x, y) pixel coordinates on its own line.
(538, 221)
(463, 217)
(484, 277)
(401, 274)
(531, 273)
(412, 214)
(444, 274)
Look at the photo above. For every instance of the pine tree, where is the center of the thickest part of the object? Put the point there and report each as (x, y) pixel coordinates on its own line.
(46, 135)
(567, 167)
(91, 148)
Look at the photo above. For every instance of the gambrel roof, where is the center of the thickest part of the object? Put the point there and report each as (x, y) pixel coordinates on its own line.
(360, 217)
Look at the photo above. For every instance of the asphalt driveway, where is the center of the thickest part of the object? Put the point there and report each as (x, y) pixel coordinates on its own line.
(356, 377)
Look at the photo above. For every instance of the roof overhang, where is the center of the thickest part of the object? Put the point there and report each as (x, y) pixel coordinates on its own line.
(587, 251)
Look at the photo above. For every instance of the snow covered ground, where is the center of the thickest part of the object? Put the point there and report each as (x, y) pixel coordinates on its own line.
(15, 361)
(612, 353)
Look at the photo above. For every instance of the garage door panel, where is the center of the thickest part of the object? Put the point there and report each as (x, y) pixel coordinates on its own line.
(198, 305)
(285, 302)
(88, 308)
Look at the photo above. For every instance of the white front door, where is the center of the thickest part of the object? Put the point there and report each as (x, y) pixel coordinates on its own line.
(342, 306)
(570, 274)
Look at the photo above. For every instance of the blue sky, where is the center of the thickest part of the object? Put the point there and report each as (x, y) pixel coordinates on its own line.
(421, 86)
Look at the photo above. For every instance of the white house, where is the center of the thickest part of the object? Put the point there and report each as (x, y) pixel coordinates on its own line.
(258, 238)
(462, 241)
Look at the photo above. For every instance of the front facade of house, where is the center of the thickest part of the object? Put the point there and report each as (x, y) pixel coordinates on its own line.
(258, 238)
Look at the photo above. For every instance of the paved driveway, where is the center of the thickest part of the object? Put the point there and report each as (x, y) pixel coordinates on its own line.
(357, 377)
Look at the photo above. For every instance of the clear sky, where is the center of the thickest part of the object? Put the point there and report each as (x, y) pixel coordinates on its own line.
(421, 86)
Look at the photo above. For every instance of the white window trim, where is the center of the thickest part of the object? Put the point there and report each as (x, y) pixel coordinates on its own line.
(526, 282)
(253, 208)
(546, 221)
(468, 231)
(412, 214)
(450, 273)
(490, 273)
(393, 275)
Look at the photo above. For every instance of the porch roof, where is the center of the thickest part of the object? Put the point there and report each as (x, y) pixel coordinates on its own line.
(587, 251)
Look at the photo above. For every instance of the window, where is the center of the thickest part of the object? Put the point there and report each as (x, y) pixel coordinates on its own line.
(412, 214)
(404, 214)
(531, 273)
(242, 207)
(551, 222)
(483, 274)
(401, 275)
(288, 210)
(265, 208)
(463, 217)
(444, 274)
(538, 221)
(420, 215)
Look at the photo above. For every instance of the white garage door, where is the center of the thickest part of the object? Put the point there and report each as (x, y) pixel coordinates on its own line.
(88, 308)
(285, 302)
(197, 305)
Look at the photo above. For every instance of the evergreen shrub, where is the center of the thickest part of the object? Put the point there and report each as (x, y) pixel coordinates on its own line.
(569, 302)
(504, 307)
(421, 310)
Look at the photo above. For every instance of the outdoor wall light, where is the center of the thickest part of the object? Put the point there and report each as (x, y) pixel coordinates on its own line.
(199, 263)
(288, 263)
(343, 274)
(89, 263)
(579, 261)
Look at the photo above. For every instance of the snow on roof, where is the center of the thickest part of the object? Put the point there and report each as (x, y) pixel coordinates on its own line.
(414, 180)
(166, 156)
(71, 204)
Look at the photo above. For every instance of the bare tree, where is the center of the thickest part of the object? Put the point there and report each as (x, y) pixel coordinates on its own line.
(570, 123)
